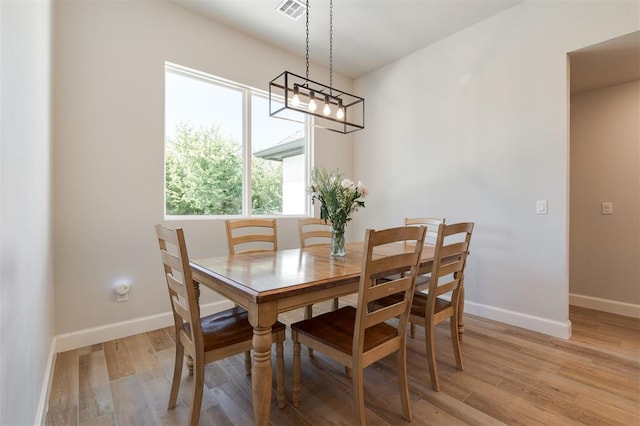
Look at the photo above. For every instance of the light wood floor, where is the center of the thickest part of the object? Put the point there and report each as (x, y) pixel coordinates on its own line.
(512, 376)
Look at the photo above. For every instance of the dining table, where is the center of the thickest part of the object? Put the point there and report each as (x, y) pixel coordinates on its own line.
(268, 283)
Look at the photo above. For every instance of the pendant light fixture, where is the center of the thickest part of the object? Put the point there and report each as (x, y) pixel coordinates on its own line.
(329, 108)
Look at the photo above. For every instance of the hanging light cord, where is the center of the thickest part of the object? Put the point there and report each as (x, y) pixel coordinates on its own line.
(330, 47)
(307, 11)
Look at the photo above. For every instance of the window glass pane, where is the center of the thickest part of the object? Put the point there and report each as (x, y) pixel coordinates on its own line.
(278, 162)
(203, 149)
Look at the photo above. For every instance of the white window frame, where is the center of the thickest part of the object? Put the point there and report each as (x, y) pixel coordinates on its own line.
(247, 92)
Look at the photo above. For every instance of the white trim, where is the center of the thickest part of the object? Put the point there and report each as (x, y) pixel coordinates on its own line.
(542, 325)
(605, 305)
(43, 404)
(118, 330)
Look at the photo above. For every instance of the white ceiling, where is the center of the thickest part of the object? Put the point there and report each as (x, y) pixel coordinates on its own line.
(371, 33)
(367, 34)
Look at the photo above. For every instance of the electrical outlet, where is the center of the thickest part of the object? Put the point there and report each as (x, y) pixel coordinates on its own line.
(122, 292)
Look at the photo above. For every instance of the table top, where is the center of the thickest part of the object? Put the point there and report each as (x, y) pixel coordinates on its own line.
(268, 275)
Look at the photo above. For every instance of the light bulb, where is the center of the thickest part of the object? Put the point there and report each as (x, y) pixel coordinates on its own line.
(340, 112)
(296, 98)
(312, 102)
(327, 109)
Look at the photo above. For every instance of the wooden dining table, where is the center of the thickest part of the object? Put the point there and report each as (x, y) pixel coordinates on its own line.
(268, 283)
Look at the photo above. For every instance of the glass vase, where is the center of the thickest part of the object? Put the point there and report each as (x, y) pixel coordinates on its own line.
(337, 241)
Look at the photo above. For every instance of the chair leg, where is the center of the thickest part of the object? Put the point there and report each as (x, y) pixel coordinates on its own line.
(431, 357)
(308, 313)
(295, 398)
(336, 304)
(358, 395)
(413, 330)
(282, 400)
(177, 376)
(247, 363)
(198, 388)
(403, 384)
(455, 340)
(347, 372)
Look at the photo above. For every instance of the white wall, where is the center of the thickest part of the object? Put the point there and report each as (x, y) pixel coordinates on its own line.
(605, 166)
(474, 128)
(108, 148)
(26, 307)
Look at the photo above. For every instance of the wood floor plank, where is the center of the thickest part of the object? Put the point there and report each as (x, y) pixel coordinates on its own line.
(118, 360)
(62, 417)
(129, 402)
(64, 384)
(431, 414)
(141, 352)
(160, 340)
(156, 393)
(457, 408)
(602, 380)
(508, 408)
(92, 370)
(583, 410)
(95, 403)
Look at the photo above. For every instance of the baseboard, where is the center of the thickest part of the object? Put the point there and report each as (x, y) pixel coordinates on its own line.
(91, 336)
(43, 404)
(558, 329)
(605, 305)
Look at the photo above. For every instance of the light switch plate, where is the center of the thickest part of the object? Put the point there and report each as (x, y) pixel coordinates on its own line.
(607, 207)
(541, 207)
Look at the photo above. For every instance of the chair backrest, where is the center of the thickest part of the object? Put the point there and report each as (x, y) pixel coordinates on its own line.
(371, 288)
(449, 261)
(252, 235)
(431, 223)
(314, 231)
(184, 302)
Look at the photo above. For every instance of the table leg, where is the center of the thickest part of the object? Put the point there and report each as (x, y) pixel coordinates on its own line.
(261, 374)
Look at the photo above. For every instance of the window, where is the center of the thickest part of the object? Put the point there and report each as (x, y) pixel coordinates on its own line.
(224, 155)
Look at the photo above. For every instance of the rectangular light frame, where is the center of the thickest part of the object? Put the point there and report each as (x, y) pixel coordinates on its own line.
(281, 90)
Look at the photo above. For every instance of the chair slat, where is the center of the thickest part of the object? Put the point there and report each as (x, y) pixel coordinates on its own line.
(388, 263)
(450, 268)
(175, 263)
(388, 288)
(177, 286)
(181, 309)
(384, 314)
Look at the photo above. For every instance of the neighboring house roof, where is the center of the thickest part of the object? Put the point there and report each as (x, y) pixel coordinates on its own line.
(288, 147)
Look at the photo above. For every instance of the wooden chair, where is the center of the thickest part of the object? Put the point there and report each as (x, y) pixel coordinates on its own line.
(206, 339)
(358, 337)
(252, 235)
(447, 274)
(314, 231)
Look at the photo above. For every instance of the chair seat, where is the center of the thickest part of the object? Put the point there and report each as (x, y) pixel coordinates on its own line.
(419, 304)
(228, 327)
(336, 328)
